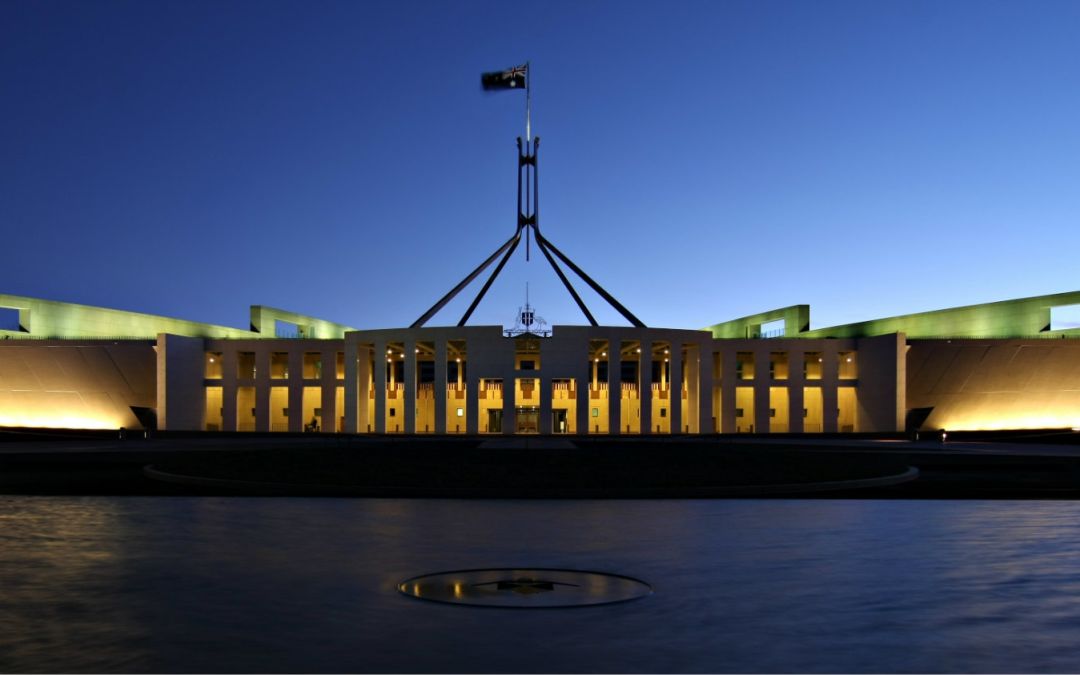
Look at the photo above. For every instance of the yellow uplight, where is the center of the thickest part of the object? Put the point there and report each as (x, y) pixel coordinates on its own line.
(1064, 419)
(53, 419)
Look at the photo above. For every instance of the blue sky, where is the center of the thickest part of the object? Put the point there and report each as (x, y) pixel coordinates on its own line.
(702, 160)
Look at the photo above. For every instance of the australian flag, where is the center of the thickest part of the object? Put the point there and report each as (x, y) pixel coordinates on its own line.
(511, 78)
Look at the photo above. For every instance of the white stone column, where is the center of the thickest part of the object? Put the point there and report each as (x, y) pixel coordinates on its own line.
(675, 380)
(728, 368)
(440, 385)
(379, 384)
(645, 387)
(614, 378)
(472, 395)
(545, 393)
(410, 387)
(830, 379)
(181, 394)
(228, 388)
(796, 382)
(704, 386)
(508, 374)
(295, 383)
(262, 388)
(691, 371)
(761, 391)
(328, 358)
(365, 384)
(354, 420)
(583, 392)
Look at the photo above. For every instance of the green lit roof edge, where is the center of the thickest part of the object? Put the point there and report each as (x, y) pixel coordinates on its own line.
(1021, 317)
(40, 318)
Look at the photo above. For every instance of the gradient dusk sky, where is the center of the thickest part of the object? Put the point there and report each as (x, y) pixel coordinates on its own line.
(701, 160)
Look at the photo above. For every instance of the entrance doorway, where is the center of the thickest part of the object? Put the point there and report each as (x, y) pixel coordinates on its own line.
(528, 420)
(494, 421)
(558, 421)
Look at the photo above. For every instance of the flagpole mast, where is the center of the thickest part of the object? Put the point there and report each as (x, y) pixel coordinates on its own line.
(528, 140)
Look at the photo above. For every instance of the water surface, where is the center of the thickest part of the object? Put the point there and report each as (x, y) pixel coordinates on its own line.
(243, 584)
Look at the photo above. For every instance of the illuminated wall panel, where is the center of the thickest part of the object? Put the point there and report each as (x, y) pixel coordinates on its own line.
(85, 386)
(1004, 384)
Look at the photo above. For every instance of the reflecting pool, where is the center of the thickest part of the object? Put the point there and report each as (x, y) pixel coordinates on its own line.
(245, 584)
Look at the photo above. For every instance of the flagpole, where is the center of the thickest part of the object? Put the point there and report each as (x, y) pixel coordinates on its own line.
(528, 139)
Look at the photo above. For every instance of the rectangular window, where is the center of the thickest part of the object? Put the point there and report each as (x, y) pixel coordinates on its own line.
(312, 365)
(527, 365)
(663, 412)
(596, 412)
(812, 365)
(848, 366)
(744, 365)
(778, 365)
(461, 412)
(213, 365)
(340, 370)
(245, 365)
(279, 365)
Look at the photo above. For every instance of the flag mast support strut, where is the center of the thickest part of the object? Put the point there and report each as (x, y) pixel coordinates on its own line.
(528, 218)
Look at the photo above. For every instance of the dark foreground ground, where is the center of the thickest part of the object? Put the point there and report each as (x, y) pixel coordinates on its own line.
(1013, 466)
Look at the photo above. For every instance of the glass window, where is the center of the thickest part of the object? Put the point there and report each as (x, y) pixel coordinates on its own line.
(312, 365)
(848, 366)
(778, 365)
(279, 365)
(213, 365)
(812, 365)
(744, 365)
(245, 365)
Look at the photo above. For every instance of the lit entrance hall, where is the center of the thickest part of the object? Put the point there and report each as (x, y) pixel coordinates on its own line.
(578, 379)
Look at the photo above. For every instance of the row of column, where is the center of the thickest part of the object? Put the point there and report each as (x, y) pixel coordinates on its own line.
(263, 384)
(496, 361)
(795, 384)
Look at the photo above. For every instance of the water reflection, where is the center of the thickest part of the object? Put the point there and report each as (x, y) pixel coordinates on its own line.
(217, 584)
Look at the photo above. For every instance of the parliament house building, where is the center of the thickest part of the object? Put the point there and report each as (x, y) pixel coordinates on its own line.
(1002, 365)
